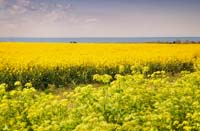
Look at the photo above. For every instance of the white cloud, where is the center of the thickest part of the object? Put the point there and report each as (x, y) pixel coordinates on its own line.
(68, 6)
(25, 19)
(15, 7)
(16, 10)
(91, 20)
(23, 2)
(59, 5)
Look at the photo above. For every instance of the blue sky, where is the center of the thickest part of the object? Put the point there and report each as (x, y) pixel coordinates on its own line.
(99, 18)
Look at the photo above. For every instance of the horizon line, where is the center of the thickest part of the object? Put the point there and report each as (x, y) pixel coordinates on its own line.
(111, 37)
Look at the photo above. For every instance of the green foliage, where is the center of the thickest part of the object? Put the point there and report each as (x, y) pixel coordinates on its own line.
(128, 103)
(63, 75)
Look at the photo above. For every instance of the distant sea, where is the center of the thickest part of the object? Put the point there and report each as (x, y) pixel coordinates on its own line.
(102, 39)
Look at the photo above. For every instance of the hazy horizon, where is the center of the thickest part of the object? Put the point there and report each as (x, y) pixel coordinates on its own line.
(99, 18)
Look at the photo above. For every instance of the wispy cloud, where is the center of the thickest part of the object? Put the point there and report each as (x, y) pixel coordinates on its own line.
(24, 3)
(78, 18)
(43, 19)
(91, 20)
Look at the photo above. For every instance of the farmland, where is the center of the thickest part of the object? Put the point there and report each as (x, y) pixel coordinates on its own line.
(122, 87)
(64, 64)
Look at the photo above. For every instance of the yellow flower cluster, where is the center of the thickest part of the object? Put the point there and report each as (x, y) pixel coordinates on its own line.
(53, 54)
(129, 103)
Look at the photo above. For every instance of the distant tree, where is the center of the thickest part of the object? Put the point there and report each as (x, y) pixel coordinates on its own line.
(74, 42)
(177, 42)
